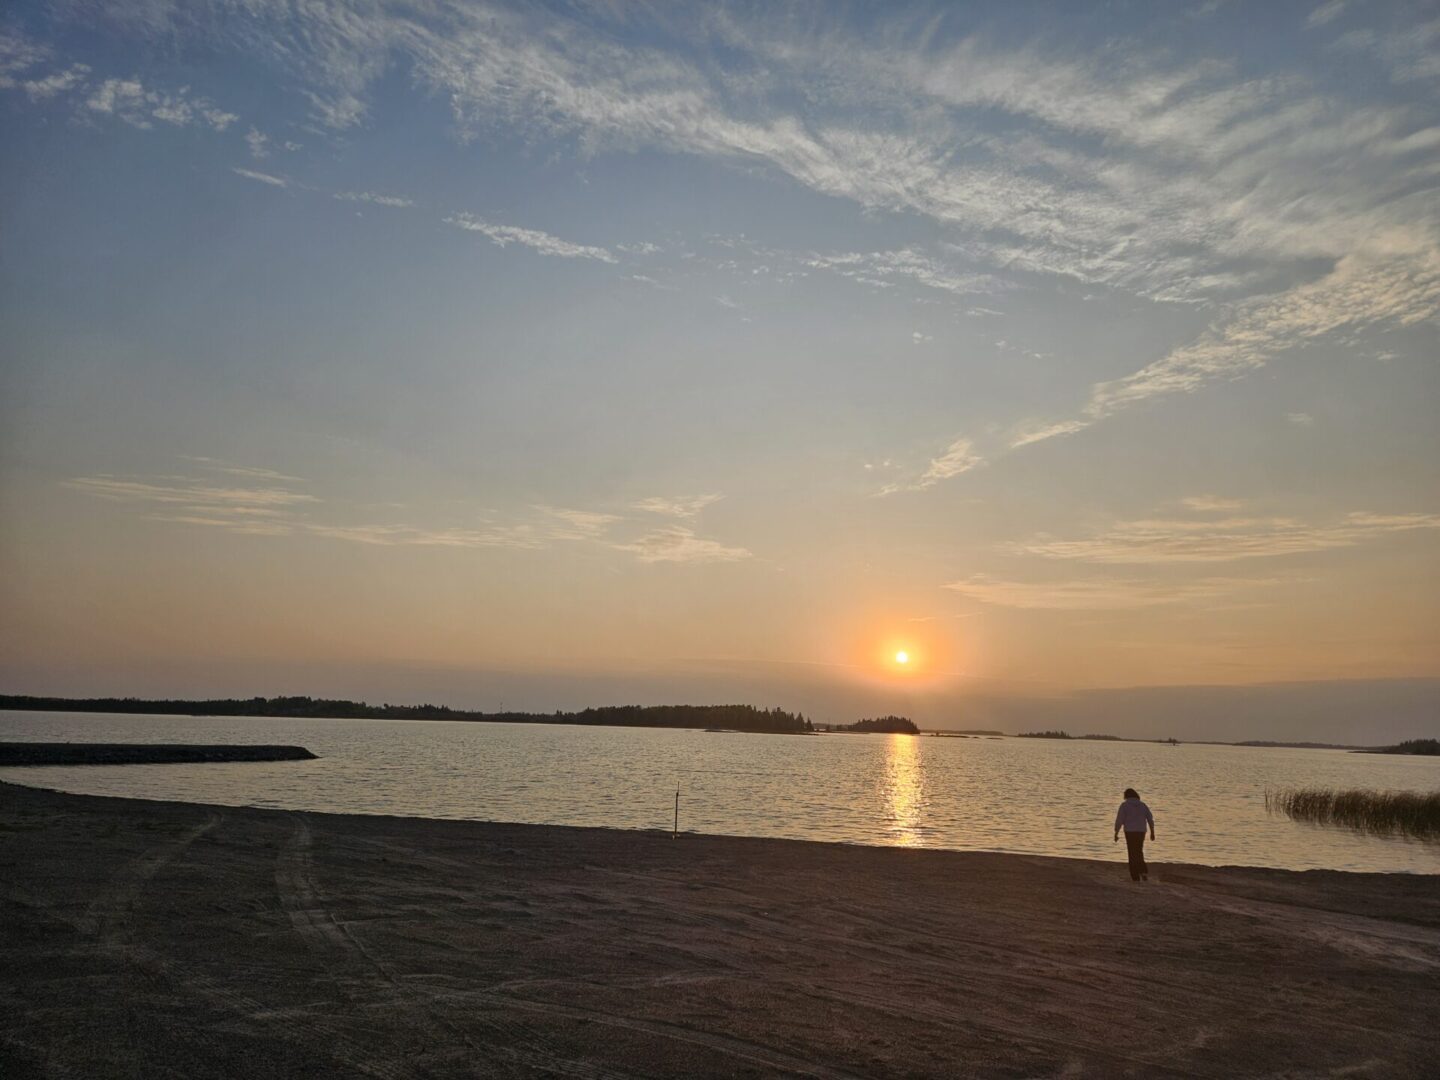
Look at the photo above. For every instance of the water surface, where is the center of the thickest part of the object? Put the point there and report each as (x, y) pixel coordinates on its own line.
(1024, 795)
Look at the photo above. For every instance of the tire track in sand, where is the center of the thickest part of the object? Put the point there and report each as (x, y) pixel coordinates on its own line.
(110, 915)
(109, 920)
(353, 969)
(755, 1053)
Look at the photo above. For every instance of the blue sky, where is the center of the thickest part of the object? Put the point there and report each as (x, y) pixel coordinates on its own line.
(1072, 346)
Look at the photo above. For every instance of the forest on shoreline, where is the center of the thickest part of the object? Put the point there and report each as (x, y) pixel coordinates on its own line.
(727, 717)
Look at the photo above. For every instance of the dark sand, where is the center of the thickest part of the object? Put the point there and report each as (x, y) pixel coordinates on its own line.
(145, 939)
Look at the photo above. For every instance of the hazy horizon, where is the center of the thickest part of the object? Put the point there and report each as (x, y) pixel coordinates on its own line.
(583, 354)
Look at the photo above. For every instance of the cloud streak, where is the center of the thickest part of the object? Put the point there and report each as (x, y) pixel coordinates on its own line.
(271, 506)
(262, 178)
(959, 457)
(373, 198)
(542, 243)
(680, 507)
(1228, 539)
(884, 269)
(1091, 595)
(679, 544)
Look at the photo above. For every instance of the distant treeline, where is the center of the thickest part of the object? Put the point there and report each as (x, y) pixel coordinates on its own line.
(1044, 735)
(1426, 747)
(732, 717)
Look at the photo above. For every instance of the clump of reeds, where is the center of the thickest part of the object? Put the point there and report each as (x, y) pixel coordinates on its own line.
(1386, 813)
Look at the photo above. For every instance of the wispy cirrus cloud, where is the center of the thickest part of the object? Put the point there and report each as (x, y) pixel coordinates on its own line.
(260, 177)
(1100, 595)
(196, 494)
(684, 506)
(524, 537)
(654, 283)
(1229, 539)
(885, 268)
(542, 243)
(679, 544)
(1102, 181)
(252, 510)
(56, 83)
(1410, 54)
(20, 54)
(35, 69)
(959, 457)
(570, 524)
(1121, 165)
(373, 198)
(544, 527)
(140, 106)
(270, 503)
(258, 142)
(252, 472)
(1176, 180)
(1210, 504)
(1396, 282)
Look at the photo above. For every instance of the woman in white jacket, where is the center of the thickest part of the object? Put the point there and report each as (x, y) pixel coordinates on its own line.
(1133, 816)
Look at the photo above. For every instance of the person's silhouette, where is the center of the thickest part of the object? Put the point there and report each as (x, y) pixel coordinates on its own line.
(1133, 816)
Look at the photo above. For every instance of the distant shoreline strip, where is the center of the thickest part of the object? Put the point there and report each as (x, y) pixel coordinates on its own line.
(48, 753)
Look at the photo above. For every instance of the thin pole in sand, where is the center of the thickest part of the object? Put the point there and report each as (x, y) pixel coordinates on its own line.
(676, 831)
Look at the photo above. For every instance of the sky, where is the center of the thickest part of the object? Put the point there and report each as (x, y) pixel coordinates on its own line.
(548, 355)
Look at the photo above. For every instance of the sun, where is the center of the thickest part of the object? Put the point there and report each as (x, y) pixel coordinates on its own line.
(902, 657)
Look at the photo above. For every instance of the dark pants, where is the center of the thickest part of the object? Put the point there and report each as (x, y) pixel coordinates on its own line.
(1135, 843)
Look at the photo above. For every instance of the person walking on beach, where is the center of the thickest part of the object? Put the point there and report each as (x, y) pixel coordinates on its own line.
(1133, 816)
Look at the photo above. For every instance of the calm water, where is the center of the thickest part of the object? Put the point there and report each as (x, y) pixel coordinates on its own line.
(1026, 795)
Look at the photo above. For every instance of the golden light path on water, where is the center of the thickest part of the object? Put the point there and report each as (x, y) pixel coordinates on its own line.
(903, 790)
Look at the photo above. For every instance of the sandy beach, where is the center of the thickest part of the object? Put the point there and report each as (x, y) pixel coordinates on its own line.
(147, 939)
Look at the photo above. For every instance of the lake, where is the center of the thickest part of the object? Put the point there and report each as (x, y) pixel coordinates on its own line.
(1044, 797)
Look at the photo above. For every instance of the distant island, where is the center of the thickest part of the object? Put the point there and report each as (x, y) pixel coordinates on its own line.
(729, 717)
(969, 731)
(1044, 735)
(886, 725)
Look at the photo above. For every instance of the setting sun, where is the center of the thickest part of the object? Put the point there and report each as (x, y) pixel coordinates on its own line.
(902, 657)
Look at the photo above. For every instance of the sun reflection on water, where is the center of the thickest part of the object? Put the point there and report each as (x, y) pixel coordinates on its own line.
(902, 791)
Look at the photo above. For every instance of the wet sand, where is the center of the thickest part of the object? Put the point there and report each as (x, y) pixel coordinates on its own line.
(148, 939)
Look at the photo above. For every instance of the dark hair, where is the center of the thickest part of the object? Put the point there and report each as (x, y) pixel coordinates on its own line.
(1131, 793)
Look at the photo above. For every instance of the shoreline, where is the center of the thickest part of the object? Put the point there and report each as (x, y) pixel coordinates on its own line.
(144, 936)
(360, 816)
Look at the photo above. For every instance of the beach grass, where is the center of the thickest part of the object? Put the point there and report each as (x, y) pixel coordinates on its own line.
(1385, 813)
